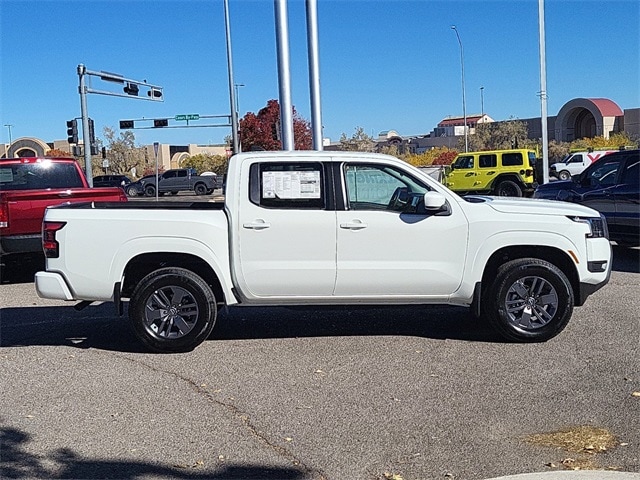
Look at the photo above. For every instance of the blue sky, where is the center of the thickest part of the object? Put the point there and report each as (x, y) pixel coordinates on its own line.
(384, 65)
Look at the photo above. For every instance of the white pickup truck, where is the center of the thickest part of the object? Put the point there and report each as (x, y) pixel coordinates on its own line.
(326, 228)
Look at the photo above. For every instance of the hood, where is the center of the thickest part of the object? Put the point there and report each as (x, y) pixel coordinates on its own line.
(533, 206)
(557, 185)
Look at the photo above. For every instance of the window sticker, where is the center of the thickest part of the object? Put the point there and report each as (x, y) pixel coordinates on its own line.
(291, 184)
(6, 175)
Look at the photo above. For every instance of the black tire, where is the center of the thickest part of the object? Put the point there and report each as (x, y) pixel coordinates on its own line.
(172, 310)
(132, 191)
(174, 193)
(150, 191)
(200, 189)
(507, 188)
(564, 175)
(531, 300)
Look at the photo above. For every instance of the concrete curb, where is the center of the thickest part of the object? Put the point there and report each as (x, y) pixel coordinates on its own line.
(573, 475)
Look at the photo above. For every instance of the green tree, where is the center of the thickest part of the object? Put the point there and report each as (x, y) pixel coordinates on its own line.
(122, 152)
(358, 142)
(616, 141)
(204, 162)
(498, 136)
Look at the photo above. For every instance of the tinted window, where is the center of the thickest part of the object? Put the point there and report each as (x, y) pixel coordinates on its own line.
(631, 174)
(37, 176)
(288, 185)
(512, 159)
(487, 161)
(465, 161)
(603, 174)
(170, 174)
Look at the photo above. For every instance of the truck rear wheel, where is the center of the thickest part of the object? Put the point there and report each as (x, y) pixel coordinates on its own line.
(200, 189)
(172, 310)
(531, 300)
(507, 188)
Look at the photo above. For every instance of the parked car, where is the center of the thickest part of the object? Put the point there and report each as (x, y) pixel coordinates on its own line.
(612, 186)
(178, 180)
(135, 189)
(111, 181)
(575, 163)
(29, 185)
(504, 173)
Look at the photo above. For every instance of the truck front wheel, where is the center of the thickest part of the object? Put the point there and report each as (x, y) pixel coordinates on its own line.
(531, 300)
(172, 310)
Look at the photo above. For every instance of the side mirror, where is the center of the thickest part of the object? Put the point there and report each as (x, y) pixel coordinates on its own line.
(434, 201)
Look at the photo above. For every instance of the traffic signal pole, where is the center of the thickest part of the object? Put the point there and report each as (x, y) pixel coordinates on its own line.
(85, 125)
(131, 90)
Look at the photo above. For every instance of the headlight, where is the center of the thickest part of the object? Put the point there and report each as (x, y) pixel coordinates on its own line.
(597, 226)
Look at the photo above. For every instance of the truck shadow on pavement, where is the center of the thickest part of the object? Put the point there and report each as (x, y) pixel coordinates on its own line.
(19, 462)
(99, 327)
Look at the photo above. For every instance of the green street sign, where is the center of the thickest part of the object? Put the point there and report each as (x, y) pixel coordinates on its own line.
(191, 116)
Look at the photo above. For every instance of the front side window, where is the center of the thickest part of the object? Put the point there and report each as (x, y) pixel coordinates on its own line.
(377, 187)
(465, 161)
(631, 174)
(291, 185)
(512, 159)
(604, 174)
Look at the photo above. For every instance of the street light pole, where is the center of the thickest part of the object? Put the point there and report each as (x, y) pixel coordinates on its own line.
(482, 102)
(9, 127)
(236, 85)
(464, 99)
(232, 100)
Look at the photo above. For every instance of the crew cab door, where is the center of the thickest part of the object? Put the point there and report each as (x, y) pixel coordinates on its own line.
(386, 246)
(286, 243)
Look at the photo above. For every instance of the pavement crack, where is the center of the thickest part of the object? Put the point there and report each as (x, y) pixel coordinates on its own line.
(242, 416)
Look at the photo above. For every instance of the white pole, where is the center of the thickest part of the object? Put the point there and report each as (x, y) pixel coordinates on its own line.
(543, 96)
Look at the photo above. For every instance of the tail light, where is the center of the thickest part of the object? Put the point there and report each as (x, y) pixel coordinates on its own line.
(4, 215)
(529, 172)
(49, 243)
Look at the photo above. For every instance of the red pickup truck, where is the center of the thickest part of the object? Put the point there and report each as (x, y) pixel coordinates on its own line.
(28, 186)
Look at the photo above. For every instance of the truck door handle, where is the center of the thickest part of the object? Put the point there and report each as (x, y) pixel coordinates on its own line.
(470, 174)
(355, 225)
(257, 225)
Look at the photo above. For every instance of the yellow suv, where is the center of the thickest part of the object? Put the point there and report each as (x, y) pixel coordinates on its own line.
(506, 173)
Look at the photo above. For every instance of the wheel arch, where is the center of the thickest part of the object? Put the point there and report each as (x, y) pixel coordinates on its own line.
(553, 255)
(143, 264)
(507, 176)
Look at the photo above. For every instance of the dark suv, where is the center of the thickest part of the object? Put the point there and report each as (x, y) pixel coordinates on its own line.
(612, 186)
(111, 181)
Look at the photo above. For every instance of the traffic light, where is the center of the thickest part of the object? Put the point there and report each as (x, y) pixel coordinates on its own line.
(72, 131)
(131, 89)
(153, 93)
(126, 124)
(92, 133)
(161, 122)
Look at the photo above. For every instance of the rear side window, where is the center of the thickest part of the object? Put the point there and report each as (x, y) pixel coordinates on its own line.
(289, 185)
(487, 161)
(512, 159)
(39, 176)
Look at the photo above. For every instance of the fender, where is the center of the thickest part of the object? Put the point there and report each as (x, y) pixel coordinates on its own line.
(215, 254)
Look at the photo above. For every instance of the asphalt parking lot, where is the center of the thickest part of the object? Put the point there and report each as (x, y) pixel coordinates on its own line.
(331, 393)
